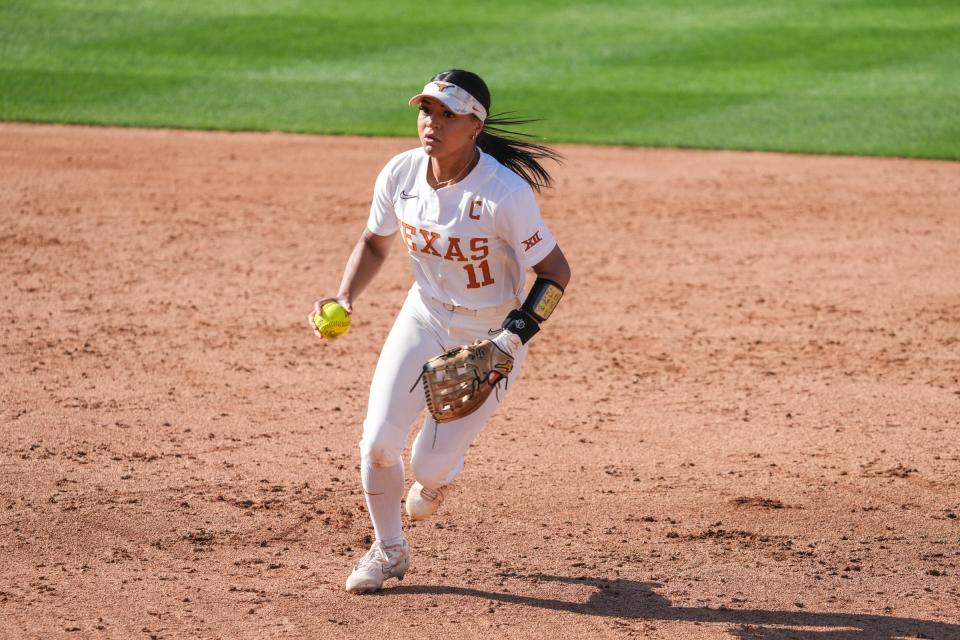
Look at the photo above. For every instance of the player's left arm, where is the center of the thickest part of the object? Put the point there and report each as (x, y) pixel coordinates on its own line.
(554, 268)
(520, 325)
(449, 379)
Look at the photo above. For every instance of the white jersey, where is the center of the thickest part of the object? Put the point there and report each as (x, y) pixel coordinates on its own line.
(469, 243)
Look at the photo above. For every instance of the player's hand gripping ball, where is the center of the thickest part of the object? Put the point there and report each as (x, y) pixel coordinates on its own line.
(332, 322)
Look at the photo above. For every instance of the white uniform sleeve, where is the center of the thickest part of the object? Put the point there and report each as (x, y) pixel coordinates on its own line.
(383, 216)
(518, 222)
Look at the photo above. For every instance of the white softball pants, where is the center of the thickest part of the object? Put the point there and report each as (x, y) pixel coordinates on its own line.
(423, 329)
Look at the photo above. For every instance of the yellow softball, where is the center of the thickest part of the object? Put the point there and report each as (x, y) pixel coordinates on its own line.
(332, 321)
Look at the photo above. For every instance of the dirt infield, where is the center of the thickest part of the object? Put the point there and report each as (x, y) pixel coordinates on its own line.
(742, 421)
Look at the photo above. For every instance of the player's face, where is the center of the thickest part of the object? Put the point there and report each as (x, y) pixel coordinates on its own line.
(442, 132)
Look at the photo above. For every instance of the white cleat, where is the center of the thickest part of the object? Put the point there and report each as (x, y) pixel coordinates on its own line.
(378, 564)
(423, 502)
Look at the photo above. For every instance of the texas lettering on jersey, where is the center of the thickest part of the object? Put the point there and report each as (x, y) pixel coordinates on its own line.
(449, 248)
(452, 248)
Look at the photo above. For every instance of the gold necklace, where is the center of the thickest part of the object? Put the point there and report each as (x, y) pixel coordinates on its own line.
(459, 175)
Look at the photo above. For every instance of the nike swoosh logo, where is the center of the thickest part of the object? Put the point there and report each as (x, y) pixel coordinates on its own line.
(407, 196)
(493, 332)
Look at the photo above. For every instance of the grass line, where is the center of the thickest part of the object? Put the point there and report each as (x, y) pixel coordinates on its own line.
(870, 77)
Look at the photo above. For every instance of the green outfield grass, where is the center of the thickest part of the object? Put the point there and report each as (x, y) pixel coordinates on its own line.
(875, 77)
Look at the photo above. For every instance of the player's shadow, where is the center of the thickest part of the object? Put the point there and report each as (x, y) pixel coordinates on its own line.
(638, 600)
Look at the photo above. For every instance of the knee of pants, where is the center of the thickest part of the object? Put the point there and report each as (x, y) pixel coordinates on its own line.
(432, 471)
(378, 453)
(382, 443)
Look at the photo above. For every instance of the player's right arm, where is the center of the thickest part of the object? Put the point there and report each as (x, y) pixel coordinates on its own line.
(368, 255)
(373, 246)
(365, 260)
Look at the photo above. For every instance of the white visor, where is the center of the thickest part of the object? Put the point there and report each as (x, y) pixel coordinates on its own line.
(456, 98)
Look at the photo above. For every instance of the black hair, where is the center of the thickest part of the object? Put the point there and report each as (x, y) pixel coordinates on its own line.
(512, 149)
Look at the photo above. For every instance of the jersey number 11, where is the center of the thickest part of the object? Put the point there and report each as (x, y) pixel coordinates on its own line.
(472, 282)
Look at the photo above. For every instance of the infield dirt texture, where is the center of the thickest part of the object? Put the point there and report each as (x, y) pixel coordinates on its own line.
(740, 423)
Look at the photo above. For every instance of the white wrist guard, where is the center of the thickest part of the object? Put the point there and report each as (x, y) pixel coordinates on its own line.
(507, 342)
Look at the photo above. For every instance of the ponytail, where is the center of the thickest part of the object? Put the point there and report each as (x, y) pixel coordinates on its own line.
(515, 151)
(512, 149)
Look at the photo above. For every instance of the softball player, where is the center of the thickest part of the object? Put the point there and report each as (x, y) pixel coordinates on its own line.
(463, 204)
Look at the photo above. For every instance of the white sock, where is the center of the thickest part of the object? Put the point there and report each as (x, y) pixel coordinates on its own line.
(383, 488)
